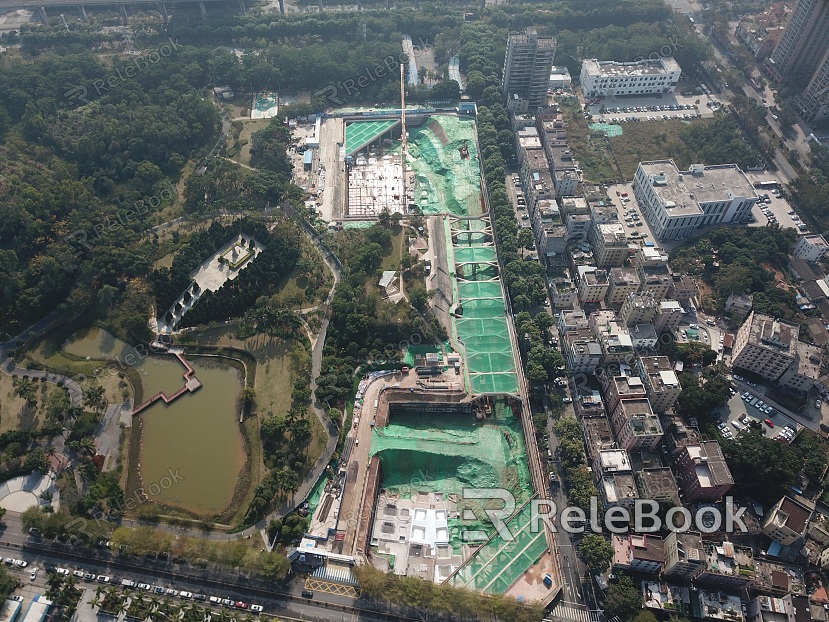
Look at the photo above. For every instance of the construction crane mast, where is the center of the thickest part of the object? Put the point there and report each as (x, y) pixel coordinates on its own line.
(404, 150)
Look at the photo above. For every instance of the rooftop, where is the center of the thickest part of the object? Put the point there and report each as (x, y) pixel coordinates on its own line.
(700, 184)
(628, 385)
(659, 483)
(709, 464)
(614, 461)
(599, 436)
(641, 300)
(612, 234)
(773, 333)
(642, 547)
(612, 69)
(624, 276)
(815, 240)
(643, 332)
(619, 487)
(655, 364)
(669, 306)
(795, 516)
(637, 407)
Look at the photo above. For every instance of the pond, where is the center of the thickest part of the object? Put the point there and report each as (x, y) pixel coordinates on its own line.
(197, 439)
(158, 373)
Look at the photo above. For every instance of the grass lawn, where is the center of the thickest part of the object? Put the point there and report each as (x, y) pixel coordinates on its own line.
(250, 127)
(14, 414)
(47, 353)
(392, 260)
(589, 148)
(652, 140)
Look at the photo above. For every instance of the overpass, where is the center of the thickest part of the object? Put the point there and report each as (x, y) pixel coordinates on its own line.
(39, 6)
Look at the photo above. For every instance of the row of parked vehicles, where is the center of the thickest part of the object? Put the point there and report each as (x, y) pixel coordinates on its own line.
(129, 583)
(185, 595)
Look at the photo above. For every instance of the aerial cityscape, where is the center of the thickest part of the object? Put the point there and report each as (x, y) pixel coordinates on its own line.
(411, 310)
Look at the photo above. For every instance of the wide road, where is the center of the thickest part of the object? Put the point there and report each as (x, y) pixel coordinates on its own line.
(284, 601)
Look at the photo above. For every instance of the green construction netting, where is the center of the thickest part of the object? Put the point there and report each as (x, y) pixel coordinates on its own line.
(358, 134)
(316, 494)
(448, 181)
(478, 289)
(358, 224)
(412, 351)
(610, 129)
(448, 453)
(500, 562)
(482, 328)
(477, 254)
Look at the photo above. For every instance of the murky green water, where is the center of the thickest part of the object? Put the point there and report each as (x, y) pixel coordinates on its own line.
(158, 373)
(196, 438)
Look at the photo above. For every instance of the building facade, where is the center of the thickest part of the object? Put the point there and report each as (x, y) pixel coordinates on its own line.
(609, 78)
(765, 346)
(676, 203)
(527, 67)
(803, 44)
(704, 473)
(810, 247)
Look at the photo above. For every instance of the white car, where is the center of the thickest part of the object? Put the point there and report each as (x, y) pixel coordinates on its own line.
(63, 572)
(184, 594)
(256, 608)
(20, 563)
(78, 573)
(33, 574)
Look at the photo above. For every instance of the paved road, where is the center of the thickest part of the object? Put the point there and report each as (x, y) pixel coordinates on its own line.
(282, 601)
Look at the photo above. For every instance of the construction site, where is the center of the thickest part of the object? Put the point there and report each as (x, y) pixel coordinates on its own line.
(439, 476)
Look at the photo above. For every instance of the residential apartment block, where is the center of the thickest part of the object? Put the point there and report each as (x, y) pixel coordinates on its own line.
(527, 65)
(787, 521)
(660, 381)
(610, 245)
(593, 284)
(810, 247)
(640, 307)
(623, 282)
(668, 316)
(635, 424)
(765, 346)
(704, 474)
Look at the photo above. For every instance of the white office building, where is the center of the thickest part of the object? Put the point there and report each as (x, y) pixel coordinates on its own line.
(676, 203)
(609, 78)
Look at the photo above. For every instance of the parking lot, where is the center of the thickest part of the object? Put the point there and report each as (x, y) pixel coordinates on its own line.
(635, 109)
(776, 210)
(754, 408)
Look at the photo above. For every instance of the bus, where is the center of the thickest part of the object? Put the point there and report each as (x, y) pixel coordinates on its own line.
(766, 185)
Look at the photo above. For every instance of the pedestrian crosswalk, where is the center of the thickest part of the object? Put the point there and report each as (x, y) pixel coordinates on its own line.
(571, 612)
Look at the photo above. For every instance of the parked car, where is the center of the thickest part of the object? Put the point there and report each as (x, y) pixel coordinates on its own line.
(256, 608)
(33, 574)
(769, 422)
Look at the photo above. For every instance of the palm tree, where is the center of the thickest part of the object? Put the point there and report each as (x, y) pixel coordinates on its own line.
(98, 596)
(95, 397)
(25, 389)
(87, 446)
